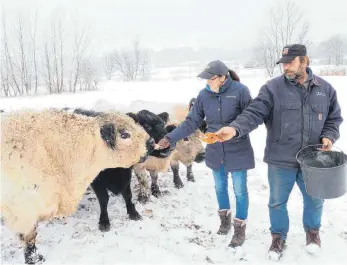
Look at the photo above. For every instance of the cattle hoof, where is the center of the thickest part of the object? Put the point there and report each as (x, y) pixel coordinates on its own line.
(178, 184)
(156, 193)
(104, 226)
(34, 259)
(31, 256)
(142, 198)
(135, 216)
(165, 192)
(191, 179)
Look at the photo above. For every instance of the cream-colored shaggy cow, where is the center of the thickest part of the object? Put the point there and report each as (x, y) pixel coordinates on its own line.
(48, 159)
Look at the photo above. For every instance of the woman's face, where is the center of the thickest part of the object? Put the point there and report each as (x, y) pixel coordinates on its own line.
(216, 82)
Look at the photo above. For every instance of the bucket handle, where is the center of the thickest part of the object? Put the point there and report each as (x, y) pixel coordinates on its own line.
(315, 145)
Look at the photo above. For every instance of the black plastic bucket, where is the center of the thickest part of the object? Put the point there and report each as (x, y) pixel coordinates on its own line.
(324, 172)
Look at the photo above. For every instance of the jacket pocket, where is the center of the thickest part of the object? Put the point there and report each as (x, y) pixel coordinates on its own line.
(319, 113)
(235, 145)
(289, 124)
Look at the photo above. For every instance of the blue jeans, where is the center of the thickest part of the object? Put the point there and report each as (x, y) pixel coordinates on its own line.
(240, 190)
(281, 182)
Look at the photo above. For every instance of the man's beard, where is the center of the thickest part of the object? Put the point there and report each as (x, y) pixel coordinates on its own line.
(295, 75)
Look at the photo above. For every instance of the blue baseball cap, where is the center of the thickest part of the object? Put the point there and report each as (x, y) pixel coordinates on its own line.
(290, 52)
(214, 68)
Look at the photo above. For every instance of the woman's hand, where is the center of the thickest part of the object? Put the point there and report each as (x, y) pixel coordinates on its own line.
(164, 143)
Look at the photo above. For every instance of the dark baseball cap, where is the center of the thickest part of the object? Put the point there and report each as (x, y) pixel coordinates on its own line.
(214, 68)
(289, 52)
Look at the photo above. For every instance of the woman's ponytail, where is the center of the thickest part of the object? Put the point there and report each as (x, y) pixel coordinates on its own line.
(234, 75)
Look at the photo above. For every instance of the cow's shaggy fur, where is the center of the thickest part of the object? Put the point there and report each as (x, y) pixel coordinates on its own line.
(50, 157)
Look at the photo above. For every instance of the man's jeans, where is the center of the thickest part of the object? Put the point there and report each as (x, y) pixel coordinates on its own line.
(281, 182)
(239, 179)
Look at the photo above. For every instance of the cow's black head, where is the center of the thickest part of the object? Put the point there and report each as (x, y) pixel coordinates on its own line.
(154, 125)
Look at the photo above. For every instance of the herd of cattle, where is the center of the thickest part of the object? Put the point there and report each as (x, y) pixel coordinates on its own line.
(49, 158)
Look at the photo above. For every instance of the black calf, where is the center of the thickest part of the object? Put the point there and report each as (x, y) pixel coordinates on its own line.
(118, 181)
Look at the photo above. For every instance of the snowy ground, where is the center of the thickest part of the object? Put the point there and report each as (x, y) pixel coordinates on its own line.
(182, 228)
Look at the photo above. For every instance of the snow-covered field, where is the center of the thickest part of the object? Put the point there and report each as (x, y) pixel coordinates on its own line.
(182, 228)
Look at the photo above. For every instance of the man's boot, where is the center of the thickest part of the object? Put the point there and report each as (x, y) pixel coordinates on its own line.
(225, 219)
(239, 233)
(313, 243)
(277, 247)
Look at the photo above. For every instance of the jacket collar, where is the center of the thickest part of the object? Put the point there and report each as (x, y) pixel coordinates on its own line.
(223, 88)
(311, 77)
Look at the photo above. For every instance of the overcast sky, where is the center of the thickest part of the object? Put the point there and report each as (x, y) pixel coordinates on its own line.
(231, 24)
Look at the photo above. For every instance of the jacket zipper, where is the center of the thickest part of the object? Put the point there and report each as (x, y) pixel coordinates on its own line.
(221, 121)
(303, 117)
(303, 122)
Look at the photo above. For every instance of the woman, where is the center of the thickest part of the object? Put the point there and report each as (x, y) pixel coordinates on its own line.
(223, 98)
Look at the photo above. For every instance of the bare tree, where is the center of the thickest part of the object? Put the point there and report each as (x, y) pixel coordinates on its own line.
(54, 61)
(137, 58)
(286, 26)
(5, 74)
(48, 68)
(16, 59)
(80, 45)
(61, 46)
(23, 65)
(9, 68)
(144, 66)
(5, 64)
(33, 40)
(57, 55)
(89, 77)
(109, 65)
(266, 54)
(20, 68)
(131, 62)
(334, 49)
(53, 58)
(5, 88)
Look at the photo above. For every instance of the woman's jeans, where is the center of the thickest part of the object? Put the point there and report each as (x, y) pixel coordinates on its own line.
(239, 179)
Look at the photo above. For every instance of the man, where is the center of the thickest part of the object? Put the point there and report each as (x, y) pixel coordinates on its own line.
(298, 109)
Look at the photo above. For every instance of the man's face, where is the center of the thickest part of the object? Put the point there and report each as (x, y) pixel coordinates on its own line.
(294, 70)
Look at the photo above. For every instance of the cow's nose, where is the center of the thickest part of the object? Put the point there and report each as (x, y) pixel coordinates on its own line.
(150, 142)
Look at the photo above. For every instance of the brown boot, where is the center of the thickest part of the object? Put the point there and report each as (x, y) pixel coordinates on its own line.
(225, 222)
(239, 233)
(312, 237)
(313, 242)
(277, 247)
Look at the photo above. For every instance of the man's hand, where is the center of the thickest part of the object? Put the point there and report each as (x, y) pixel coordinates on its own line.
(226, 133)
(327, 144)
(164, 143)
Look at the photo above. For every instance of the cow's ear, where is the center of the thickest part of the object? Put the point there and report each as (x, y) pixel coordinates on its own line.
(133, 116)
(164, 116)
(108, 134)
(170, 128)
(191, 103)
(203, 126)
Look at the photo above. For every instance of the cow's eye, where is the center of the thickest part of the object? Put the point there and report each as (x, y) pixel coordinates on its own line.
(147, 127)
(125, 135)
(185, 139)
